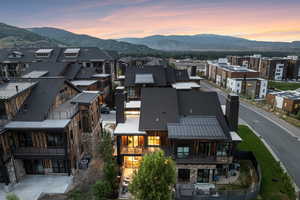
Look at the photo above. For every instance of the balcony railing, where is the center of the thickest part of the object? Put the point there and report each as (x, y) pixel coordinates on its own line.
(133, 150)
(38, 152)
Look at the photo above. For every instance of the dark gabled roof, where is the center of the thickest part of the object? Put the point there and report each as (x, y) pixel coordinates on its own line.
(53, 68)
(158, 73)
(37, 106)
(28, 55)
(196, 127)
(72, 71)
(158, 107)
(163, 106)
(86, 73)
(86, 54)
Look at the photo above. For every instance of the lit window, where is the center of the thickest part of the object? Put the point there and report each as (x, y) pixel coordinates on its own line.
(153, 140)
(183, 152)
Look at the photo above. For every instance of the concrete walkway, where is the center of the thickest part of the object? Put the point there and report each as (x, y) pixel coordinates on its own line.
(31, 187)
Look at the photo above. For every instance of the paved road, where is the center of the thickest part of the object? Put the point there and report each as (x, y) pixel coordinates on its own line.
(282, 137)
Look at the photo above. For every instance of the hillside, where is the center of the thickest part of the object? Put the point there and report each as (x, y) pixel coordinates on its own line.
(73, 39)
(205, 42)
(11, 36)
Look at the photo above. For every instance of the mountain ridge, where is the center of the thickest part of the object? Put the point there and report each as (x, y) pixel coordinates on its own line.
(210, 42)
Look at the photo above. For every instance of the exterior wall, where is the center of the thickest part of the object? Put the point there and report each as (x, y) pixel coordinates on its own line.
(194, 171)
(65, 94)
(263, 89)
(13, 105)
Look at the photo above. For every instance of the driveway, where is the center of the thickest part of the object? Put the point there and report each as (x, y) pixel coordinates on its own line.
(32, 186)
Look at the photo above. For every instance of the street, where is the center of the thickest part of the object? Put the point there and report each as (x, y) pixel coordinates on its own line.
(282, 137)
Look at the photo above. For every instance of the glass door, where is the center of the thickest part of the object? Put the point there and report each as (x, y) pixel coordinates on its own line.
(203, 176)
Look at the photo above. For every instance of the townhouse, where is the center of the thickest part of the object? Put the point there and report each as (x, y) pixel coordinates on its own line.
(237, 79)
(188, 125)
(48, 126)
(288, 101)
(137, 78)
(275, 68)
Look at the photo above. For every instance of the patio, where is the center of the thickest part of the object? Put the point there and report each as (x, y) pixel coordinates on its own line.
(32, 186)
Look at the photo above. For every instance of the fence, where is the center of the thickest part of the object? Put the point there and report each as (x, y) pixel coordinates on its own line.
(189, 193)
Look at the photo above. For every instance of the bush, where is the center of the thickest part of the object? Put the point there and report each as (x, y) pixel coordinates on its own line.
(111, 173)
(12, 197)
(298, 115)
(101, 190)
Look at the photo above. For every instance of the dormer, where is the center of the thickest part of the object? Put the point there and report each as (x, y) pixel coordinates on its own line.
(72, 53)
(43, 53)
(16, 54)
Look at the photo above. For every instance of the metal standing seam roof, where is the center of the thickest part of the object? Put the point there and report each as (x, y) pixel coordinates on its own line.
(84, 82)
(49, 124)
(35, 74)
(144, 78)
(84, 97)
(202, 127)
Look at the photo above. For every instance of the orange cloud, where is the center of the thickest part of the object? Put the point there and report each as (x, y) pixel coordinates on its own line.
(281, 22)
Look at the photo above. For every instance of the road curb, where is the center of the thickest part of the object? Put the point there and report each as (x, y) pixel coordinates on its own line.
(296, 188)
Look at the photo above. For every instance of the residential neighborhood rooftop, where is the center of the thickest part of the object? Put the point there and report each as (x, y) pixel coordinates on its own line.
(11, 89)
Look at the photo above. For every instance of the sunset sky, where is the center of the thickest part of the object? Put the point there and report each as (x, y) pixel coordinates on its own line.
(269, 20)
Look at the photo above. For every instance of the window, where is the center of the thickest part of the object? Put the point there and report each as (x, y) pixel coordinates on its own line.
(223, 149)
(183, 152)
(153, 140)
(25, 140)
(183, 175)
(2, 111)
(55, 140)
(203, 176)
(59, 166)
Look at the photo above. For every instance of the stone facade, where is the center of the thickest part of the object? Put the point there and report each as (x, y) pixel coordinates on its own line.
(194, 171)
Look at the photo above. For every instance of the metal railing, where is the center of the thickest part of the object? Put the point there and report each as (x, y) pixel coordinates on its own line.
(33, 151)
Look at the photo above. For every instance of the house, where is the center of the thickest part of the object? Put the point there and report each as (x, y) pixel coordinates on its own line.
(137, 78)
(15, 61)
(288, 101)
(237, 79)
(47, 127)
(187, 125)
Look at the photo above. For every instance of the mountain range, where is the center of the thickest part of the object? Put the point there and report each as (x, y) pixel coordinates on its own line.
(11, 36)
(206, 42)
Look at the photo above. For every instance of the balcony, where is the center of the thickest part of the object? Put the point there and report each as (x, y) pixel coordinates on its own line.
(133, 150)
(33, 152)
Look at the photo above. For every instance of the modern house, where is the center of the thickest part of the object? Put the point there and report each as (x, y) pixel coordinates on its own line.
(137, 78)
(288, 101)
(189, 126)
(47, 127)
(237, 79)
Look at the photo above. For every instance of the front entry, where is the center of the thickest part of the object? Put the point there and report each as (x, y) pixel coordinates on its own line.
(34, 167)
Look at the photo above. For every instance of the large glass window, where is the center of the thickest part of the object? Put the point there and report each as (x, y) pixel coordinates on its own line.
(153, 140)
(183, 175)
(223, 149)
(183, 152)
(25, 140)
(55, 140)
(203, 176)
(59, 166)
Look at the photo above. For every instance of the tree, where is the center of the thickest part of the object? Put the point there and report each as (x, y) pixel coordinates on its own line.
(106, 147)
(101, 190)
(12, 196)
(155, 178)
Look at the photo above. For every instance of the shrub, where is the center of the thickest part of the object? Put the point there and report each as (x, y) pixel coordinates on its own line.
(101, 189)
(12, 197)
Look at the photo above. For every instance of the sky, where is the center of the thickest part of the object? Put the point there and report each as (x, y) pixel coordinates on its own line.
(268, 20)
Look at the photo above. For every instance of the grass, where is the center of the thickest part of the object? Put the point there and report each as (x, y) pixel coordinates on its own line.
(284, 85)
(276, 185)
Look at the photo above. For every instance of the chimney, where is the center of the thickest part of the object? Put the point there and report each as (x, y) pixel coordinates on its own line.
(193, 71)
(120, 105)
(232, 111)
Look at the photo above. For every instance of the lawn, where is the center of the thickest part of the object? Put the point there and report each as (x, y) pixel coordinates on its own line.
(284, 85)
(275, 183)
